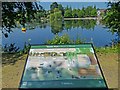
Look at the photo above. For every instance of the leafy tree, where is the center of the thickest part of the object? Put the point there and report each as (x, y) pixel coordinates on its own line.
(53, 6)
(65, 39)
(74, 13)
(60, 7)
(52, 17)
(68, 12)
(83, 11)
(20, 12)
(112, 18)
(40, 13)
(56, 10)
(88, 11)
(94, 12)
(66, 8)
(58, 15)
(80, 13)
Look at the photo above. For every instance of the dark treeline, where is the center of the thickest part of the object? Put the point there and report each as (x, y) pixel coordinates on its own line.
(57, 12)
(80, 13)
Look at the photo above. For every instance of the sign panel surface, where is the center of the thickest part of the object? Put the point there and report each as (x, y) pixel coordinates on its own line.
(62, 66)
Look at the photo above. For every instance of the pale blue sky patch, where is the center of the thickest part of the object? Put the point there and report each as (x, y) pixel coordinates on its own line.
(74, 0)
(100, 5)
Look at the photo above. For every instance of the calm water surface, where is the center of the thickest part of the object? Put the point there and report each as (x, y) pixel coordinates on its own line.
(96, 33)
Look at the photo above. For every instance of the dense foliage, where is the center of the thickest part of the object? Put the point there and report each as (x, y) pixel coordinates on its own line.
(80, 13)
(112, 18)
(65, 39)
(58, 11)
(14, 13)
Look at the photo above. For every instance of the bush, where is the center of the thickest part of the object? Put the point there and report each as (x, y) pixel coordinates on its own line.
(65, 39)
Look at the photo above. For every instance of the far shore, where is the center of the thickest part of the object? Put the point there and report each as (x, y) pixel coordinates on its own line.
(82, 18)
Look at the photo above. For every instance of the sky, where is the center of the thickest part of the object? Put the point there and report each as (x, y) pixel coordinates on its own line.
(73, 0)
(100, 5)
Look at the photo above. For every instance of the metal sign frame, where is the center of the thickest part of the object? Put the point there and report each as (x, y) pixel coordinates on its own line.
(63, 47)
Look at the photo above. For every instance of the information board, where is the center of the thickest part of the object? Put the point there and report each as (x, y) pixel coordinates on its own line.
(62, 66)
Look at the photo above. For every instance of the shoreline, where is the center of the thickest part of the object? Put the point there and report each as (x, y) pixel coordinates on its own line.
(81, 18)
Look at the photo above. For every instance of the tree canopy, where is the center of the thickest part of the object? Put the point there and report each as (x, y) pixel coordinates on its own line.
(20, 12)
(112, 18)
(77, 13)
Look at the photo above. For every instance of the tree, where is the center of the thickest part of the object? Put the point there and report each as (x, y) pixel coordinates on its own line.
(53, 6)
(80, 13)
(60, 7)
(56, 10)
(88, 11)
(94, 12)
(74, 13)
(83, 11)
(20, 12)
(112, 18)
(52, 16)
(68, 12)
(58, 15)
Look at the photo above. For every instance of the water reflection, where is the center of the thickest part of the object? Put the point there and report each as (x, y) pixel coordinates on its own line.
(56, 26)
(84, 24)
(41, 31)
(59, 26)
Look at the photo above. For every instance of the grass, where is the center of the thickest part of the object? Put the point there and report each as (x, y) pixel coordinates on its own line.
(113, 49)
(109, 65)
(12, 69)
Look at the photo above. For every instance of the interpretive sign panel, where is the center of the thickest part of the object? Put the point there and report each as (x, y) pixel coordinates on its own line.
(62, 66)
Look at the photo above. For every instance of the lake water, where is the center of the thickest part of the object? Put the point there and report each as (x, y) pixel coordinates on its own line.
(84, 29)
